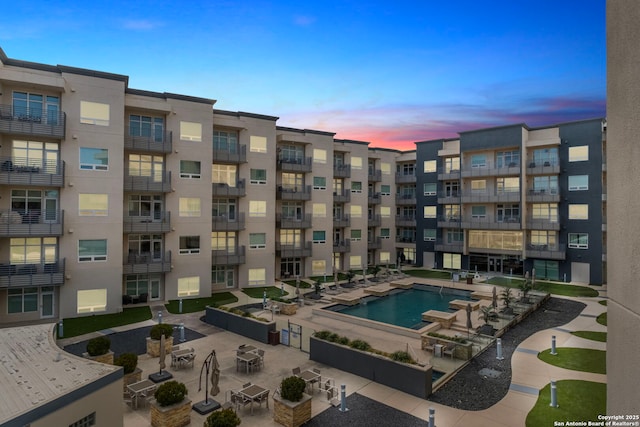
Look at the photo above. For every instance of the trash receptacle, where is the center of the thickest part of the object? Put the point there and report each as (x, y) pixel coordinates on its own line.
(437, 350)
(274, 337)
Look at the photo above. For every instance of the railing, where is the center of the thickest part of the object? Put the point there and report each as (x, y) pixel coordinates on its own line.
(549, 166)
(146, 262)
(375, 243)
(444, 246)
(35, 222)
(228, 223)
(405, 178)
(23, 275)
(374, 199)
(449, 221)
(374, 220)
(556, 251)
(342, 197)
(294, 164)
(374, 175)
(292, 250)
(342, 171)
(160, 223)
(405, 199)
(543, 223)
(543, 195)
(293, 221)
(486, 197)
(405, 239)
(448, 174)
(232, 256)
(406, 220)
(32, 121)
(342, 246)
(510, 223)
(341, 221)
(294, 193)
(233, 154)
(223, 189)
(22, 171)
(489, 168)
(160, 182)
(161, 142)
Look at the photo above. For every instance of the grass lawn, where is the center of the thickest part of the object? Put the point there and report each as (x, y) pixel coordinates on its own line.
(577, 401)
(507, 282)
(603, 302)
(198, 304)
(272, 292)
(550, 287)
(429, 274)
(84, 325)
(303, 283)
(591, 335)
(341, 276)
(602, 319)
(577, 359)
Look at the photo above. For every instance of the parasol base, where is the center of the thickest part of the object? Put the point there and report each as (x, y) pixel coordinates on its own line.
(158, 377)
(205, 407)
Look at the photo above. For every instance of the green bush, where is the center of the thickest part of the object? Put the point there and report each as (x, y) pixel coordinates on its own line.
(129, 361)
(98, 346)
(360, 345)
(402, 356)
(292, 388)
(170, 393)
(343, 340)
(460, 340)
(224, 418)
(322, 335)
(161, 329)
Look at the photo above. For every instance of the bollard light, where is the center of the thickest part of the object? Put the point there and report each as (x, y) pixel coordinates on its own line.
(182, 338)
(180, 306)
(432, 417)
(554, 395)
(343, 398)
(60, 329)
(499, 349)
(553, 345)
(159, 317)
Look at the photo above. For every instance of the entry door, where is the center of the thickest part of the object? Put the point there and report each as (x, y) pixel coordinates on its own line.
(495, 264)
(47, 303)
(155, 288)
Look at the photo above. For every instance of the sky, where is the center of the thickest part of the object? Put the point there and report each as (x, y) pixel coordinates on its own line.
(389, 73)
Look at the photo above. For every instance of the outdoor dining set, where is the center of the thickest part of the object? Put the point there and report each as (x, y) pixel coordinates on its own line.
(249, 358)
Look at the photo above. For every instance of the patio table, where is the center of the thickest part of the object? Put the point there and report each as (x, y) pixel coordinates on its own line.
(246, 359)
(140, 388)
(310, 377)
(252, 393)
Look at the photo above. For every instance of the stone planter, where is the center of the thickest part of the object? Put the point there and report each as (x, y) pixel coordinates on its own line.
(288, 308)
(292, 414)
(104, 358)
(176, 415)
(153, 346)
(131, 378)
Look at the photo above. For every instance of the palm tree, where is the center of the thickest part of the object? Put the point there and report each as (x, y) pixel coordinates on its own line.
(507, 297)
(525, 287)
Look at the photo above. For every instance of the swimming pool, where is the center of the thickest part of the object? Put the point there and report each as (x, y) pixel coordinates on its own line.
(403, 307)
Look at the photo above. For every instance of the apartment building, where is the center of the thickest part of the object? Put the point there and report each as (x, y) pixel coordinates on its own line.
(516, 200)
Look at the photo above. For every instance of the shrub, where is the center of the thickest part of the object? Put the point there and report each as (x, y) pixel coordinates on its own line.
(98, 346)
(343, 340)
(292, 388)
(224, 418)
(333, 337)
(170, 393)
(161, 329)
(322, 335)
(129, 361)
(360, 345)
(402, 356)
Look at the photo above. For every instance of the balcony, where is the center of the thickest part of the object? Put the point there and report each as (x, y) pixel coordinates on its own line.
(342, 246)
(234, 154)
(293, 221)
(506, 223)
(405, 178)
(543, 223)
(32, 223)
(485, 197)
(294, 193)
(343, 196)
(442, 246)
(374, 175)
(448, 174)
(374, 220)
(161, 142)
(23, 172)
(341, 221)
(146, 262)
(225, 190)
(406, 199)
(543, 195)
(294, 164)
(405, 221)
(406, 239)
(26, 121)
(231, 256)
(26, 275)
(342, 171)
(375, 243)
(546, 167)
(374, 199)
(557, 251)
(490, 169)
(448, 197)
(160, 182)
(159, 223)
(227, 222)
(449, 221)
(293, 250)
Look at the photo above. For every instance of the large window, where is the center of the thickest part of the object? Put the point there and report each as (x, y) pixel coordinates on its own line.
(319, 210)
(257, 240)
(355, 211)
(225, 174)
(29, 204)
(356, 187)
(146, 206)
(189, 206)
(188, 286)
(258, 176)
(545, 157)
(22, 300)
(579, 240)
(478, 160)
(451, 212)
(478, 212)
(257, 208)
(257, 276)
(190, 169)
(223, 241)
(356, 163)
(579, 154)
(92, 250)
(319, 236)
(578, 211)
(545, 211)
(189, 244)
(495, 239)
(451, 164)
(479, 186)
(291, 238)
(257, 144)
(146, 165)
(507, 185)
(226, 208)
(93, 204)
(94, 113)
(94, 158)
(319, 183)
(578, 182)
(190, 131)
(319, 156)
(36, 107)
(292, 181)
(543, 238)
(507, 159)
(150, 127)
(430, 211)
(508, 212)
(226, 141)
(33, 250)
(545, 184)
(223, 275)
(454, 236)
(430, 166)
(452, 261)
(92, 300)
(144, 247)
(36, 156)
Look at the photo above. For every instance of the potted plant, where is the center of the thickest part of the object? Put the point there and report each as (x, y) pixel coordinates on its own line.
(171, 408)
(153, 341)
(98, 349)
(292, 407)
(507, 297)
(487, 313)
(223, 418)
(129, 362)
(525, 287)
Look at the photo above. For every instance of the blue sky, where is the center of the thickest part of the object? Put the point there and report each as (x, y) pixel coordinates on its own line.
(385, 72)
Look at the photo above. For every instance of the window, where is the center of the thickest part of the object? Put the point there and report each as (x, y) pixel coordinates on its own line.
(36, 107)
(508, 159)
(145, 206)
(224, 174)
(319, 210)
(508, 212)
(291, 238)
(224, 208)
(319, 236)
(451, 164)
(93, 204)
(429, 234)
(189, 244)
(318, 267)
(190, 169)
(385, 190)
(455, 236)
(223, 241)
(319, 183)
(188, 286)
(430, 166)
(356, 235)
(546, 211)
(91, 300)
(189, 207)
(478, 212)
(429, 188)
(33, 250)
(579, 211)
(385, 168)
(579, 240)
(292, 181)
(452, 261)
(496, 240)
(257, 208)
(385, 257)
(356, 187)
(385, 211)
(257, 240)
(257, 144)
(452, 212)
(451, 188)
(355, 261)
(579, 154)
(22, 300)
(94, 158)
(319, 156)
(146, 165)
(223, 275)
(507, 185)
(545, 184)
(578, 182)
(88, 421)
(479, 161)
(356, 163)
(429, 211)
(258, 176)
(356, 211)
(190, 131)
(225, 141)
(38, 155)
(94, 113)
(385, 233)
(92, 250)
(150, 127)
(545, 157)
(478, 186)
(257, 276)
(543, 237)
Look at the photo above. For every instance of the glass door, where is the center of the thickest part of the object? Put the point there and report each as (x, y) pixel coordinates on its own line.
(47, 302)
(155, 288)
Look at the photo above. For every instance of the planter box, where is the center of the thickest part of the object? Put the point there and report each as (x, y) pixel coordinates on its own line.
(462, 351)
(131, 378)
(176, 415)
(288, 308)
(292, 414)
(104, 358)
(412, 379)
(153, 346)
(245, 326)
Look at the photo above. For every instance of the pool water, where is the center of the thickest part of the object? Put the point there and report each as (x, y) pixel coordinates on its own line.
(404, 307)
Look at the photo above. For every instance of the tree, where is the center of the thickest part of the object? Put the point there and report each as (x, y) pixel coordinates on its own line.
(507, 297)
(525, 287)
(350, 275)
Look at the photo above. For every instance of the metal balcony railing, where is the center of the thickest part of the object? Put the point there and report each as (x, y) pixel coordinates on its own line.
(160, 182)
(159, 223)
(232, 154)
(228, 222)
(293, 250)
(231, 256)
(32, 121)
(293, 221)
(25, 275)
(294, 193)
(225, 190)
(39, 173)
(294, 164)
(34, 222)
(157, 142)
(146, 262)
(343, 196)
(342, 246)
(342, 171)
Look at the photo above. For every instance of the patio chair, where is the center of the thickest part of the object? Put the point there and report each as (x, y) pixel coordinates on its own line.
(263, 398)
(127, 398)
(236, 400)
(449, 351)
(246, 385)
(261, 356)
